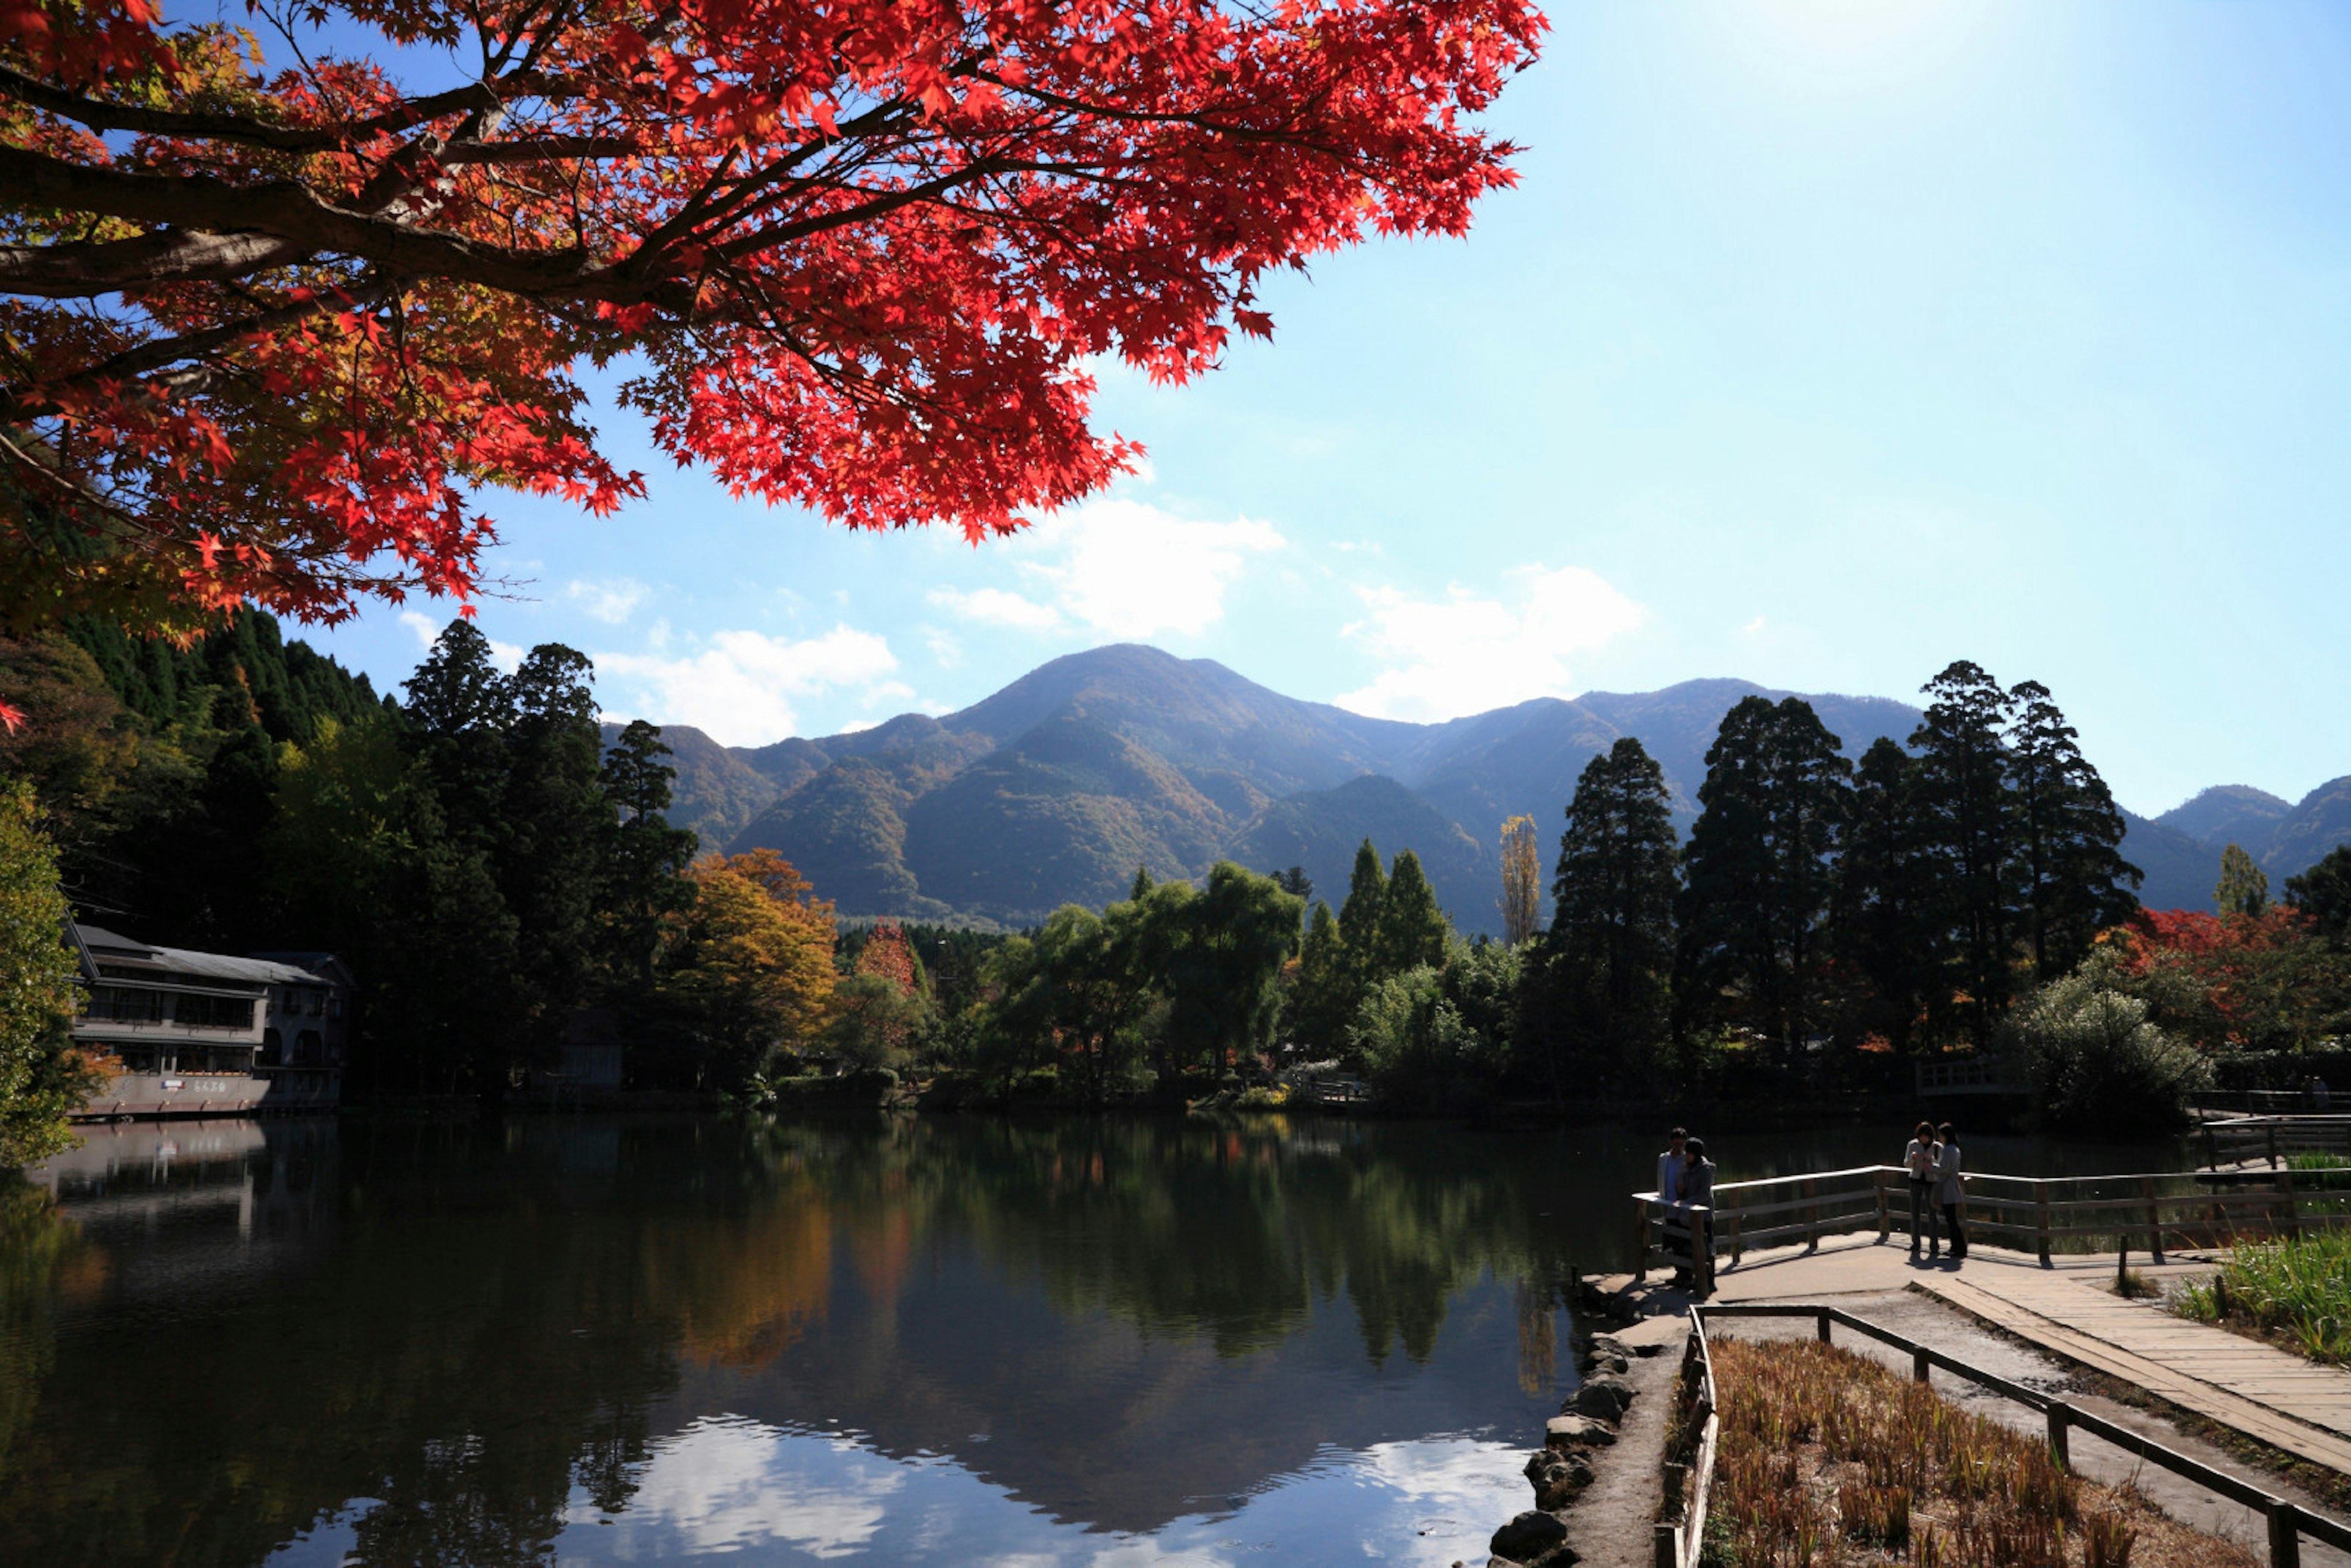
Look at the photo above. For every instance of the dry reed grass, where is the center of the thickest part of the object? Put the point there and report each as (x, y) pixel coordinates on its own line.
(1829, 1459)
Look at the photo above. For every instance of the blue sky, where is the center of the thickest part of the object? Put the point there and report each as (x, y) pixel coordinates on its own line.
(1823, 343)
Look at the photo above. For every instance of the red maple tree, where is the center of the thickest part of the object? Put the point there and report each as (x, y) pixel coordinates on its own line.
(888, 954)
(268, 330)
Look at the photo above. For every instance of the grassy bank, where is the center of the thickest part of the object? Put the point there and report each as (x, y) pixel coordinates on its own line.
(2296, 1293)
(1830, 1460)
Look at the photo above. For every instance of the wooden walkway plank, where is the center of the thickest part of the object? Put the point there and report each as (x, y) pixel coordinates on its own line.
(2267, 1394)
(2293, 1405)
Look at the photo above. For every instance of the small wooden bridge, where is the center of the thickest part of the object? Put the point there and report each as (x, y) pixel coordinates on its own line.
(2147, 1211)
(2233, 1142)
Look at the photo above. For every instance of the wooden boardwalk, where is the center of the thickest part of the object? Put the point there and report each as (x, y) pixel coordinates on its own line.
(2266, 1394)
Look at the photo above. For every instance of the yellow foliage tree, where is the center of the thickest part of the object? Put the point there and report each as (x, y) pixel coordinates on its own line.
(1521, 881)
(757, 961)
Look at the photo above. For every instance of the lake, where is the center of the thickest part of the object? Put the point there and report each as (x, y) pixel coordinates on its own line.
(589, 1341)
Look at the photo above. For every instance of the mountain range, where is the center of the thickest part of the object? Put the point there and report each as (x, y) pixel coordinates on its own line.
(1055, 789)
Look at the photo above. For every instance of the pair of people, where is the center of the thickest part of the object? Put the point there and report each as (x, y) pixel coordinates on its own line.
(1932, 1161)
(1686, 1182)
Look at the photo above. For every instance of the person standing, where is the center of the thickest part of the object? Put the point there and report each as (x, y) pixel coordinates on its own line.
(1920, 1159)
(1697, 1200)
(1670, 1165)
(1949, 1191)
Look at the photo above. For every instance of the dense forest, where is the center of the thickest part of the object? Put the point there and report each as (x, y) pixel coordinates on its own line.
(493, 871)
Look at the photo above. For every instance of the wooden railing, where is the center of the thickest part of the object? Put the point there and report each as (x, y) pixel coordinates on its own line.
(2146, 1211)
(1681, 1521)
(2288, 1522)
(2238, 1140)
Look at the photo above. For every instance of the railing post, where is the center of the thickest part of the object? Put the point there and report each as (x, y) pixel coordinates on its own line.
(1737, 1250)
(1823, 1322)
(2285, 1535)
(1812, 1215)
(1640, 1240)
(2154, 1222)
(2293, 1207)
(1920, 1366)
(2060, 1415)
(2272, 1131)
(1878, 1178)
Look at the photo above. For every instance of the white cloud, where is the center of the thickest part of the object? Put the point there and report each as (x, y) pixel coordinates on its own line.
(739, 689)
(609, 601)
(996, 607)
(1465, 653)
(1127, 568)
(1753, 628)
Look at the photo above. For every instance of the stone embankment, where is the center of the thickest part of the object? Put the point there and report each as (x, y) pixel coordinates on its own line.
(1596, 1479)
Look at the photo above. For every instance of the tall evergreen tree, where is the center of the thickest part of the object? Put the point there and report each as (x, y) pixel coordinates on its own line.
(1602, 1002)
(1968, 814)
(1412, 930)
(2324, 895)
(2068, 836)
(1759, 871)
(1888, 937)
(1359, 916)
(645, 858)
(557, 824)
(2245, 887)
(1325, 997)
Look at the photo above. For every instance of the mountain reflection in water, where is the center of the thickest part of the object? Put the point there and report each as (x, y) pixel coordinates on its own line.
(585, 1340)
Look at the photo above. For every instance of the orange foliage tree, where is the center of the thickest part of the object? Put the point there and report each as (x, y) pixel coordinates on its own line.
(269, 328)
(754, 961)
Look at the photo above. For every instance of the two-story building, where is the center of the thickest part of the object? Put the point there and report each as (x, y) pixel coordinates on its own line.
(206, 1034)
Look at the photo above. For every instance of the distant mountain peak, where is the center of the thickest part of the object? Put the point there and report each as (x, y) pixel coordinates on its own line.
(1055, 786)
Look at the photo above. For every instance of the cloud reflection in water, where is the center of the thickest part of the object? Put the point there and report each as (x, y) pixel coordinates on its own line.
(728, 1487)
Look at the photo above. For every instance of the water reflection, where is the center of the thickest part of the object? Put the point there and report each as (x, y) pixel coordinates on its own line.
(590, 1340)
(594, 1340)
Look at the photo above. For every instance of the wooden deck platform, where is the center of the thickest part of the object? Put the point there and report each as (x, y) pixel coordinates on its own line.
(2067, 1309)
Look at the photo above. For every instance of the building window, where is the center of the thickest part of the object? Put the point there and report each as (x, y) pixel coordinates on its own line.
(123, 1004)
(198, 1011)
(273, 1048)
(308, 1048)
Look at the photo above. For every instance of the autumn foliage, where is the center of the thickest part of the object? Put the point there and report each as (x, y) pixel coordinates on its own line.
(2236, 981)
(272, 322)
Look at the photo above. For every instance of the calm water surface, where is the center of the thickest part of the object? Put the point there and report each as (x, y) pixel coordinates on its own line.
(605, 1341)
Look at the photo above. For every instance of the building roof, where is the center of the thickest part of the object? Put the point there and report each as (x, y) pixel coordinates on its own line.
(206, 966)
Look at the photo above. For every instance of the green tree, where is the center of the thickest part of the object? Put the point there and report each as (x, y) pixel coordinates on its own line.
(1888, 938)
(41, 1078)
(2097, 1062)
(1602, 1001)
(1218, 956)
(1359, 914)
(2245, 887)
(1967, 814)
(2323, 894)
(1412, 931)
(2068, 832)
(645, 857)
(1073, 993)
(1759, 873)
(1324, 999)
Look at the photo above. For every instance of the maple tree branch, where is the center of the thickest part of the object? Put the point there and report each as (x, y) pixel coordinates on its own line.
(86, 268)
(295, 213)
(106, 114)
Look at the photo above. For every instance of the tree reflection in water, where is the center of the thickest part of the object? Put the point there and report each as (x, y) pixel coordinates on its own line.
(457, 1341)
